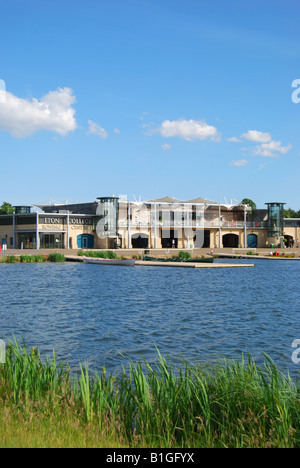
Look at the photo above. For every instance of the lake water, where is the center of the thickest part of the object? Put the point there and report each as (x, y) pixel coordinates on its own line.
(102, 314)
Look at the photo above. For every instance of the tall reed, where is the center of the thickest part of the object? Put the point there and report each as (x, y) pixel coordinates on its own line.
(56, 257)
(234, 404)
(27, 376)
(108, 254)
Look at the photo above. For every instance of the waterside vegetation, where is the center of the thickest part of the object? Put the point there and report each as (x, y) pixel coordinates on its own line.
(235, 404)
(109, 254)
(54, 257)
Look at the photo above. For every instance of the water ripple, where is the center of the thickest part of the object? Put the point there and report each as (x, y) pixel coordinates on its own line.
(101, 314)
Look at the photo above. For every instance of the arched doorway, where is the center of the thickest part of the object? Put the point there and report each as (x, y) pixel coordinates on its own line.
(85, 241)
(288, 241)
(230, 241)
(140, 241)
(252, 241)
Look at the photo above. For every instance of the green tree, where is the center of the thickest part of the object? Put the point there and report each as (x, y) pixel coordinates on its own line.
(289, 213)
(6, 208)
(249, 202)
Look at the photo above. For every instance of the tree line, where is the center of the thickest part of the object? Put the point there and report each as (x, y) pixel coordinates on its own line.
(289, 213)
(6, 208)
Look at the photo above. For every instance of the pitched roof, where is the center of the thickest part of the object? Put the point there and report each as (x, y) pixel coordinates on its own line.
(202, 200)
(166, 200)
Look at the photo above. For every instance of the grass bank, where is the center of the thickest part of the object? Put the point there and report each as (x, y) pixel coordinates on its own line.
(234, 405)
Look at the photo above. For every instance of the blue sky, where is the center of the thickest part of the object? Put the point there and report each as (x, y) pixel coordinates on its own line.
(191, 97)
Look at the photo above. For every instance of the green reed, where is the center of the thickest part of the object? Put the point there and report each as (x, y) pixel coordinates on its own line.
(108, 254)
(25, 375)
(234, 404)
(10, 259)
(56, 257)
(27, 259)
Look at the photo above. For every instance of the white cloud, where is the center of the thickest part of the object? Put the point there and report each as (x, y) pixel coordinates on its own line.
(267, 147)
(24, 117)
(117, 131)
(2, 92)
(166, 147)
(270, 149)
(95, 129)
(234, 140)
(188, 130)
(257, 137)
(240, 163)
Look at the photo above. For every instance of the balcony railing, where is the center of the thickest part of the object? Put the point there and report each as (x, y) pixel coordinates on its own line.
(194, 224)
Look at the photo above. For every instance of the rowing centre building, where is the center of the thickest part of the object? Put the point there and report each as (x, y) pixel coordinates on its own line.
(115, 222)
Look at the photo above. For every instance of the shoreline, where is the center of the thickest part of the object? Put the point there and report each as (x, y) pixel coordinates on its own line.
(163, 253)
(10, 257)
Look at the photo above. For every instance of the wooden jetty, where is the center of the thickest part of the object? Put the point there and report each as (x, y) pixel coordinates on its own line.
(73, 258)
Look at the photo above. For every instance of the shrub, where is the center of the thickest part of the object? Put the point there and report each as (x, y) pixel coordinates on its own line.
(12, 259)
(111, 255)
(39, 258)
(184, 255)
(96, 254)
(56, 257)
(27, 259)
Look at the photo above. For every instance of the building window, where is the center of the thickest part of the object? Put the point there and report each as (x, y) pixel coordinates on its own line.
(27, 241)
(276, 219)
(52, 241)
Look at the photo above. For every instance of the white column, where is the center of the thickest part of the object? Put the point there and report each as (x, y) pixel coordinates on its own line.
(68, 230)
(155, 233)
(220, 228)
(245, 228)
(37, 232)
(129, 235)
(14, 231)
